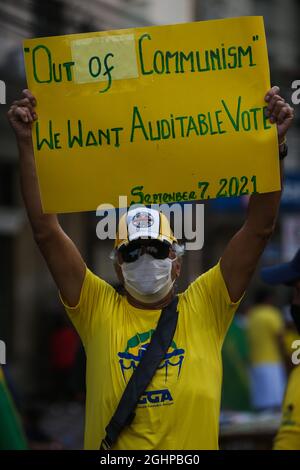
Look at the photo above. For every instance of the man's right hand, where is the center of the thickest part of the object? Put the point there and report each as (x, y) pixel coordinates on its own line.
(22, 114)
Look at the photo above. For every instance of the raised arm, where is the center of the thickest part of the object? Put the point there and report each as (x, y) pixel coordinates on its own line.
(245, 248)
(62, 257)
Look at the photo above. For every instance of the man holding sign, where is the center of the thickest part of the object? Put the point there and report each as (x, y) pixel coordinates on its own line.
(180, 409)
(194, 90)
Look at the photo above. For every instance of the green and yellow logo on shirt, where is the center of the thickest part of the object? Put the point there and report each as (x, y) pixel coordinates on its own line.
(136, 348)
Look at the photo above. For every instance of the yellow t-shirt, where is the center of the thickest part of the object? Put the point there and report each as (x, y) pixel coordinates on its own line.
(265, 324)
(288, 436)
(180, 409)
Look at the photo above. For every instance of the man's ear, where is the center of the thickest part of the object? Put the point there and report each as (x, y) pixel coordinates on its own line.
(177, 268)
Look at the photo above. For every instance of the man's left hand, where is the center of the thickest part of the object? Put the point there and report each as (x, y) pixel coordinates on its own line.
(279, 112)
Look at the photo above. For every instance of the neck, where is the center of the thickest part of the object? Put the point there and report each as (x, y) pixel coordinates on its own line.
(153, 306)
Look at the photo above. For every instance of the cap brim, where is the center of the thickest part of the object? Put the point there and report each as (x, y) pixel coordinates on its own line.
(146, 234)
(280, 274)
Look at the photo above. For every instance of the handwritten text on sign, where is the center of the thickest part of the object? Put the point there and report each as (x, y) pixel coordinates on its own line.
(157, 114)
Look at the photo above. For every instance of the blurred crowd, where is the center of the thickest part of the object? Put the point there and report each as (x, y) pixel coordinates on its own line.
(261, 355)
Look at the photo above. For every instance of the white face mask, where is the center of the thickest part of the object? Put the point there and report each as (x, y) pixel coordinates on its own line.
(148, 279)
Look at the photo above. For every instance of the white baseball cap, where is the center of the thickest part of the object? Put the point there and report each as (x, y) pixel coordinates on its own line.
(142, 222)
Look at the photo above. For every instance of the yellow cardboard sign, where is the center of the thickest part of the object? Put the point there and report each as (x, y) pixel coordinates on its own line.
(160, 114)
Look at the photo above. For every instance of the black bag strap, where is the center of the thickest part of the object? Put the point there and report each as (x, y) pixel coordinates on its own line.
(143, 374)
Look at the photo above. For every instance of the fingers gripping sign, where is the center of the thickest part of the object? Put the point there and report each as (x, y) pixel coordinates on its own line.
(22, 114)
(279, 112)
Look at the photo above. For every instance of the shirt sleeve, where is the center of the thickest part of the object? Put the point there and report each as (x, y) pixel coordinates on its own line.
(209, 291)
(276, 321)
(95, 304)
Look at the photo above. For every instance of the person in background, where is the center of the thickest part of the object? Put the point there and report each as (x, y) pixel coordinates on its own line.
(11, 432)
(64, 346)
(265, 331)
(235, 357)
(288, 435)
